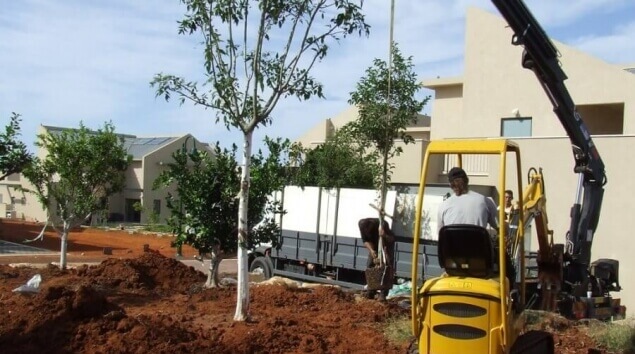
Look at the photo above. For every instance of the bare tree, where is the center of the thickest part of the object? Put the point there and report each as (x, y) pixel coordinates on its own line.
(257, 52)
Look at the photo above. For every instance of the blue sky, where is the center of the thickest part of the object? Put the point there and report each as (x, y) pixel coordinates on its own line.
(66, 61)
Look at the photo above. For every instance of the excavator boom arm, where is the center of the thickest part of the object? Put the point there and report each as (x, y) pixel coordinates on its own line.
(541, 56)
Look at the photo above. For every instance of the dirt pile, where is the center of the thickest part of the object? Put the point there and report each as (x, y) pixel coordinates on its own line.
(155, 304)
(150, 271)
(44, 321)
(570, 337)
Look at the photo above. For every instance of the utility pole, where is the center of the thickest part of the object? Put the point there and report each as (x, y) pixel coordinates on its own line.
(384, 177)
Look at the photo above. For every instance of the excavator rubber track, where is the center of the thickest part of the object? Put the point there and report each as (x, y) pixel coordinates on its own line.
(533, 342)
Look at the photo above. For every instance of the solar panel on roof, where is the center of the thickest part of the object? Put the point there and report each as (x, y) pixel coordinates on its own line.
(150, 141)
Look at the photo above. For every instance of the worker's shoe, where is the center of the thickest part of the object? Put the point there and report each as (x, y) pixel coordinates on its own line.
(382, 295)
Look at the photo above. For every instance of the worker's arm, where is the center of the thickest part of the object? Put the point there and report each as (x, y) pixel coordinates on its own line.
(366, 231)
(370, 248)
(387, 236)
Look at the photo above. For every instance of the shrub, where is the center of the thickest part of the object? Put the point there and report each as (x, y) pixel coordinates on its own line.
(615, 337)
(398, 330)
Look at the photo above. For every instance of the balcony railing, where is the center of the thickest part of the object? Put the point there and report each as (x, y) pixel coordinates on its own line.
(475, 165)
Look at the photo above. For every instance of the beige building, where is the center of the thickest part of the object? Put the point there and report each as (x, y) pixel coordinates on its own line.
(495, 97)
(150, 156)
(412, 154)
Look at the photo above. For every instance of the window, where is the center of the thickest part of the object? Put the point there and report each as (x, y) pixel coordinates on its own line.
(156, 206)
(516, 127)
(603, 119)
(133, 214)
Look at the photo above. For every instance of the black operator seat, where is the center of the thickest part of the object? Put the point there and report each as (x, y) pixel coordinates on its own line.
(467, 251)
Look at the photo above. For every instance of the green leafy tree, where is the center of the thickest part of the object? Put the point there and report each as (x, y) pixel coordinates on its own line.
(257, 52)
(13, 154)
(206, 199)
(153, 217)
(339, 162)
(387, 102)
(82, 168)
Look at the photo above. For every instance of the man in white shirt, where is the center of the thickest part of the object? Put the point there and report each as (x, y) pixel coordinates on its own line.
(466, 206)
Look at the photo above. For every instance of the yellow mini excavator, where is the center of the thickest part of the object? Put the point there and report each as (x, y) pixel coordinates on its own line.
(476, 306)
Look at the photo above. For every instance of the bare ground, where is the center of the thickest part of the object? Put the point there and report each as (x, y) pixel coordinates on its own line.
(141, 302)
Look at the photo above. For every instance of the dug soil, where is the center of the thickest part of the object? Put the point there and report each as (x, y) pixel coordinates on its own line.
(156, 304)
(148, 302)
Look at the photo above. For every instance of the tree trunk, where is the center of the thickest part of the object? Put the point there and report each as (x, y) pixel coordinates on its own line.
(64, 244)
(242, 300)
(384, 191)
(212, 276)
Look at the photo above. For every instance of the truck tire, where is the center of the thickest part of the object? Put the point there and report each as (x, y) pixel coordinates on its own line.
(262, 264)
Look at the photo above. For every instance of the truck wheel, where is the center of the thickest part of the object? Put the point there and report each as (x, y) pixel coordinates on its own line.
(261, 264)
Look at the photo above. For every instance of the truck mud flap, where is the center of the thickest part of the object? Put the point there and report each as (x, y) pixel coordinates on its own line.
(533, 342)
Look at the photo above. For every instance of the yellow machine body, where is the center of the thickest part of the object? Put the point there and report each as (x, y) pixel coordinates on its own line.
(463, 314)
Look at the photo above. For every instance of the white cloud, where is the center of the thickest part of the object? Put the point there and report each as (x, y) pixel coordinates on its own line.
(616, 47)
(555, 14)
(69, 62)
(72, 60)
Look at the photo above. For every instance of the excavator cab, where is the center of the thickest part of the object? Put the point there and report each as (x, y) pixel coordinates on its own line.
(474, 307)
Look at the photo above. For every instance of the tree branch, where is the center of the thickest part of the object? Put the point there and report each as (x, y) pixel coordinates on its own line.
(216, 61)
(256, 68)
(249, 74)
(287, 71)
(232, 59)
(287, 47)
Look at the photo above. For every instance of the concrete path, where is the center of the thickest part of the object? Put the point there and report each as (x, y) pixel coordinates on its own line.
(9, 249)
(226, 265)
(16, 249)
(20, 249)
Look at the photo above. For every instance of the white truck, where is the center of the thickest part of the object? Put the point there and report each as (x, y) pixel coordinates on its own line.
(320, 240)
